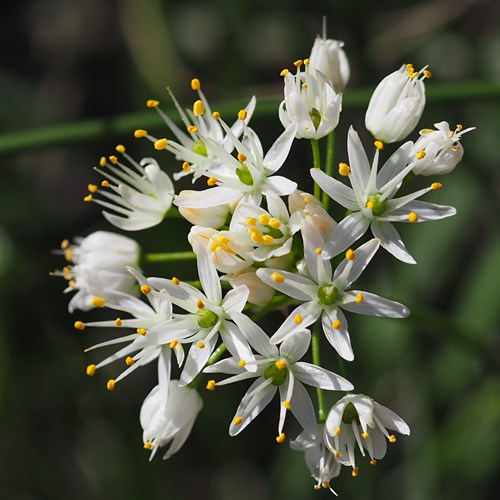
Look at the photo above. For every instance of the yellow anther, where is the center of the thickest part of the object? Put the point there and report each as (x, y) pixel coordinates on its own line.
(148, 445)
(140, 133)
(64, 244)
(255, 235)
(195, 84)
(251, 221)
(304, 85)
(338, 430)
(264, 219)
(355, 472)
(110, 385)
(113, 159)
(200, 344)
(68, 254)
(151, 103)
(102, 161)
(459, 127)
(212, 181)
(79, 325)
(298, 319)
(298, 63)
(92, 188)
(317, 487)
(211, 385)
(237, 420)
(192, 129)
(281, 438)
(176, 281)
(267, 239)
(90, 370)
(173, 344)
(118, 322)
(436, 185)
(364, 435)
(373, 461)
(359, 298)
(344, 169)
(413, 217)
(287, 405)
(88, 198)
(97, 301)
(427, 73)
(280, 364)
(198, 108)
(141, 331)
(200, 304)
(277, 277)
(421, 154)
(242, 114)
(336, 324)
(306, 61)
(274, 223)
(392, 438)
(370, 204)
(325, 485)
(350, 254)
(284, 72)
(186, 167)
(242, 363)
(379, 144)
(161, 144)
(105, 184)
(120, 148)
(146, 289)
(129, 361)
(241, 157)
(337, 454)
(216, 115)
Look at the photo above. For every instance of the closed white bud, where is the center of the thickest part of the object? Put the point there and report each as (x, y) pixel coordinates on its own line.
(213, 217)
(260, 293)
(328, 57)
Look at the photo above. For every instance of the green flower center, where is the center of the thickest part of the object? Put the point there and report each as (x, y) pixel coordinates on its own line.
(328, 295)
(350, 414)
(277, 372)
(378, 206)
(199, 148)
(206, 318)
(244, 175)
(315, 117)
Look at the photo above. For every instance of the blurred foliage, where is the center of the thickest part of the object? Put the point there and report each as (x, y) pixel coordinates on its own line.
(63, 435)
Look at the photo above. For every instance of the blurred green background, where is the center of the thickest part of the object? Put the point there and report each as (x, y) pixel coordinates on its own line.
(62, 435)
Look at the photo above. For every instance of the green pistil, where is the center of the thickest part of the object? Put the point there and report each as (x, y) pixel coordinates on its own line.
(199, 148)
(328, 295)
(276, 375)
(379, 207)
(350, 414)
(275, 233)
(315, 117)
(206, 318)
(244, 175)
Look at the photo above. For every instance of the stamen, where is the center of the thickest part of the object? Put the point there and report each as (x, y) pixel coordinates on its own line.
(216, 115)
(277, 277)
(237, 420)
(280, 364)
(298, 63)
(98, 301)
(200, 344)
(338, 430)
(146, 289)
(274, 223)
(90, 370)
(152, 103)
(140, 133)
(359, 298)
(304, 85)
(79, 325)
(427, 73)
(129, 361)
(110, 385)
(211, 385)
(251, 221)
(186, 167)
(105, 184)
(242, 114)
(264, 219)
(161, 144)
(141, 331)
(325, 485)
(298, 319)
(195, 84)
(200, 304)
(88, 198)
(370, 204)
(148, 445)
(242, 363)
(373, 461)
(350, 254)
(344, 169)
(392, 438)
(421, 154)
(64, 244)
(212, 181)
(337, 454)
(120, 148)
(102, 161)
(318, 251)
(336, 324)
(379, 144)
(198, 108)
(192, 129)
(413, 217)
(175, 281)
(241, 157)
(281, 438)
(436, 185)
(173, 344)
(267, 239)
(364, 435)
(287, 405)
(92, 188)
(355, 472)
(118, 322)
(284, 72)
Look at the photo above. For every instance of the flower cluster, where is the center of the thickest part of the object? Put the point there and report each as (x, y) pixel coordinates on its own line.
(263, 246)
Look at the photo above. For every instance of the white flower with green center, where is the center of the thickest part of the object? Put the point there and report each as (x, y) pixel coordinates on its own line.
(209, 315)
(200, 124)
(439, 151)
(277, 370)
(319, 459)
(397, 104)
(359, 421)
(170, 421)
(141, 196)
(325, 294)
(249, 176)
(371, 199)
(310, 102)
(97, 267)
(269, 232)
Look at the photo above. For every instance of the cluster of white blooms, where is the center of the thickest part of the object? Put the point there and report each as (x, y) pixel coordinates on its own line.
(262, 246)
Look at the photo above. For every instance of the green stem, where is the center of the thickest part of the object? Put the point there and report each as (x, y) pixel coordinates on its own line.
(330, 155)
(169, 256)
(317, 361)
(316, 163)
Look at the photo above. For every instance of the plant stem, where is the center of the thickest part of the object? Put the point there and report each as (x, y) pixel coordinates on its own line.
(317, 164)
(317, 361)
(330, 155)
(170, 256)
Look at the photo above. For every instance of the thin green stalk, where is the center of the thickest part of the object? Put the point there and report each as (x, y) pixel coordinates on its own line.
(330, 155)
(316, 163)
(169, 256)
(317, 361)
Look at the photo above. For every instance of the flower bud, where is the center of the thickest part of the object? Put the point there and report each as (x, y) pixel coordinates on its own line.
(260, 293)
(214, 217)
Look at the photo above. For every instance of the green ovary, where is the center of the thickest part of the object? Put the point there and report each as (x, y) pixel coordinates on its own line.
(244, 175)
(276, 375)
(206, 318)
(379, 206)
(328, 295)
(199, 148)
(350, 414)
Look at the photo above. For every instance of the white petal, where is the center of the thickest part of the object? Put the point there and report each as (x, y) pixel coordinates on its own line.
(302, 408)
(338, 337)
(390, 420)
(347, 231)
(316, 376)
(360, 166)
(335, 189)
(236, 343)
(196, 360)
(391, 241)
(295, 345)
(255, 336)
(293, 285)
(207, 273)
(373, 305)
(290, 325)
(235, 300)
(278, 152)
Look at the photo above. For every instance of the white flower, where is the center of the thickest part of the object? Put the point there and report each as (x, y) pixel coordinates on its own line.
(357, 420)
(310, 103)
(371, 199)
(208, 315)
(200, 124)
(397, 104)
(439, 151)
(140, 195)
(247, 177)
(171, 421)
(277, 370)
(328, 58)
(319, 459)
(99, 267)
(325, 294)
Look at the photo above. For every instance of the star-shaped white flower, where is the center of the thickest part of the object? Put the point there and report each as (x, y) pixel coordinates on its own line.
(371, 200)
